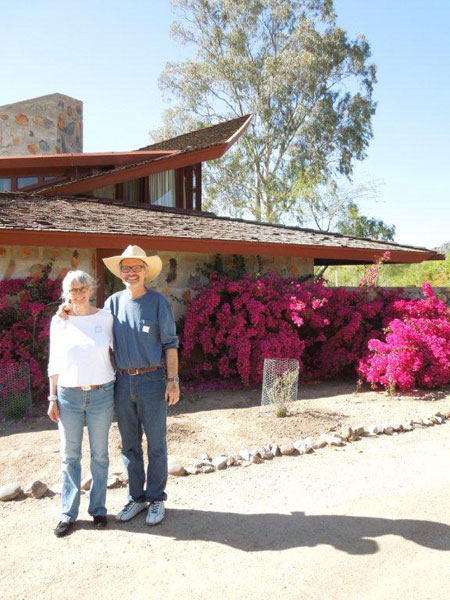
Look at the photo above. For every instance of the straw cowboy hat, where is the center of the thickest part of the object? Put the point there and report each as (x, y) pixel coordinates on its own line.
(153, 263)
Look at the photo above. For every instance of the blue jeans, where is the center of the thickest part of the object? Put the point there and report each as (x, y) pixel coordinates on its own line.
(141, 406)
(96, 408)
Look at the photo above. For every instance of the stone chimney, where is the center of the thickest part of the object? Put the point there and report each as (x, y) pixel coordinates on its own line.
(50, 124)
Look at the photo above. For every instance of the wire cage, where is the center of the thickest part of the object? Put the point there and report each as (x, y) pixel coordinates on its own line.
(280, 381)
(15, 392)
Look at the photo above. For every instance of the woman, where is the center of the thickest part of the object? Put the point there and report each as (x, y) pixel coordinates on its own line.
(81, 390)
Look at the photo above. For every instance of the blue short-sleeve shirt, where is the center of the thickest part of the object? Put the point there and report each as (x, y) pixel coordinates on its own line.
(143, 329)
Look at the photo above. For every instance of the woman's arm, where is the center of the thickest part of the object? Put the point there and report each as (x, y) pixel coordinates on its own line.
(53, 410)
(53, 370)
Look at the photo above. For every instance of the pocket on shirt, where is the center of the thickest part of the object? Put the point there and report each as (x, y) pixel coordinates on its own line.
(149, 329)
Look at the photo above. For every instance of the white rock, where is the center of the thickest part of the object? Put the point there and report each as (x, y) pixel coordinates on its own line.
(205, 456)
(220, 462)
(244, 454)
(275, 449)
(427, 422)
(308, 441)
(197, 463)
(231, 461)
(176, 469)
(287, 449)
(9, 491)
(192, 469)
(388, 430)
(301, 447)
(208, 469)
(86, 482)
(336, 440)
(407, 426)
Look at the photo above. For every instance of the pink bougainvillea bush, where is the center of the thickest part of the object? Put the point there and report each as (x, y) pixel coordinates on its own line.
(231, 326)
(26, 306)
(415, 351)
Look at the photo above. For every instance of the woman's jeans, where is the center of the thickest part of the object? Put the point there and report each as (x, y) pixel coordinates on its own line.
(95, 408)
(141, 405)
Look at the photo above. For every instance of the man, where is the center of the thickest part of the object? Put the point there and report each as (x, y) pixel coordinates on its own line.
(144, 335)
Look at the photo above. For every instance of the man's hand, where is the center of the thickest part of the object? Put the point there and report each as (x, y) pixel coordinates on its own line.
(53, 411)
(172, 392)
(64, 311)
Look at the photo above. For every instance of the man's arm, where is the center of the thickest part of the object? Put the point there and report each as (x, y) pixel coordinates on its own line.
(173, 388)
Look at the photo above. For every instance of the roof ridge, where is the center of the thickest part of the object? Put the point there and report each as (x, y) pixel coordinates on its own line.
(202, 129)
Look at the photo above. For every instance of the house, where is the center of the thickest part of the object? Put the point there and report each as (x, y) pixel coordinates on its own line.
(72, 208)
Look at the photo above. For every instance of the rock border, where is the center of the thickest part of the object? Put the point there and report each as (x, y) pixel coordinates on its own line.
(205, 464)
(245, 458)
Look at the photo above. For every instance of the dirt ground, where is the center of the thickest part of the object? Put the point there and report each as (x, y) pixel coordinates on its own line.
(220, 422)
(222, 528)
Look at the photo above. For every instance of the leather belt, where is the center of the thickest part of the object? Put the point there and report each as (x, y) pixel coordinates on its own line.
(87, 388)
(138, 371)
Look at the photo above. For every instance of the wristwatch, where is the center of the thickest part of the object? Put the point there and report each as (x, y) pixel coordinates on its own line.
(174, 379)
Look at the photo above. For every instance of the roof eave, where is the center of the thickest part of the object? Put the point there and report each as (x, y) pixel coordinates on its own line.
(207, 246)
(175, 160)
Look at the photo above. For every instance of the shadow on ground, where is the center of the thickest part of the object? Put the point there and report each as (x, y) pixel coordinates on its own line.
(271, 532)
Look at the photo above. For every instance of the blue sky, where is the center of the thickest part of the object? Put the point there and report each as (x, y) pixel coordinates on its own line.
(110, 54)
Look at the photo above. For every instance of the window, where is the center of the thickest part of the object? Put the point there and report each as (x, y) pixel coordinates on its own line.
(5, 184)
(26, 181)
(162, 189)
(132, 191)
(49, 177)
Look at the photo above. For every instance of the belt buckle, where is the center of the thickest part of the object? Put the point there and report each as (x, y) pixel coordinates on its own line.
(136, 372)
(86, 388)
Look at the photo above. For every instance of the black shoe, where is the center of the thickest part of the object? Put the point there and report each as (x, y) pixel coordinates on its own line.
(100, 521)
(63, 528)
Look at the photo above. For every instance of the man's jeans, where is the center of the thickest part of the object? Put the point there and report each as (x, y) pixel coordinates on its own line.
(141, 405)
(96, 408)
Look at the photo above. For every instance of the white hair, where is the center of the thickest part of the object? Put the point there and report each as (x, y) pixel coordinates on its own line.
(78, 276)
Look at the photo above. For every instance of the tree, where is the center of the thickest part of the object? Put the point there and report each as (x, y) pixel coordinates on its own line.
(288, 63)
(355, 224)
(334, 207)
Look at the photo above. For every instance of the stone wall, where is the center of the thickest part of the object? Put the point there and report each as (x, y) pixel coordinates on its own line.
(179, 273)
(23, 261)
(50, 124)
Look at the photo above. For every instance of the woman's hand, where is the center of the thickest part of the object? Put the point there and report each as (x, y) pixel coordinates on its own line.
(64, 311)
(53, 411)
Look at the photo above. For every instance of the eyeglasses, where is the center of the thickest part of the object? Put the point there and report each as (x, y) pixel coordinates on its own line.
(133, 269)
(80, 290)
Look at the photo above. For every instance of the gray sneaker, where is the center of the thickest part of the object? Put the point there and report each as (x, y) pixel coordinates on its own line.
(156, 512)
(130, 510)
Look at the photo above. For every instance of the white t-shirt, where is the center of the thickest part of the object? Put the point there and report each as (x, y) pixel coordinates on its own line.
(79, 349)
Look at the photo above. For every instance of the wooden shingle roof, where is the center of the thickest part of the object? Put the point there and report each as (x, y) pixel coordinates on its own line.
(61, 220)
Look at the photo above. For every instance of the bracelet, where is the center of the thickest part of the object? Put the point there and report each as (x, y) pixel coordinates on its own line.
(52, 398)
